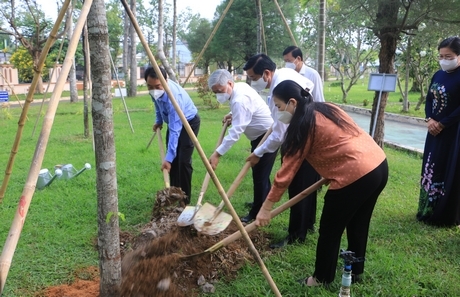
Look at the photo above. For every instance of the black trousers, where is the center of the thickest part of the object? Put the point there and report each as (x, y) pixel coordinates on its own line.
(181, 168)
(350, 207)
(261, 177)
(302, 217)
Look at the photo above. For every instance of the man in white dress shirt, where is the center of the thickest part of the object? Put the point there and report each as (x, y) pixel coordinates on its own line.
(249, 115)
(264, 75)
(293, 58)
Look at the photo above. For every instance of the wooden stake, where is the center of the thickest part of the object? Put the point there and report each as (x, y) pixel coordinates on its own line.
(203, 156)
(285, 23)
(29, 187)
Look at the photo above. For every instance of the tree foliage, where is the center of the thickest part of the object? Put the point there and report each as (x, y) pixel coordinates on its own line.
(22, 61)
(26, 22)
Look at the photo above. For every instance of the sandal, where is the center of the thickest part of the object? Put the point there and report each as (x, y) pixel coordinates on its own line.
(309, 282)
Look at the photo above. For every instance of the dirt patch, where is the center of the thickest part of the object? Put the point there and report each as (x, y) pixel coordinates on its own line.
(153, 262)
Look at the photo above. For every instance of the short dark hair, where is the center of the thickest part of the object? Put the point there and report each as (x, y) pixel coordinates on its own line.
(453, 43)
(294, 50)
(259, 63)
(150, 71)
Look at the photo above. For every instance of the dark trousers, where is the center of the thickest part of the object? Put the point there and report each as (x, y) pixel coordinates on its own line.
(350, 207)
(181, 168)
(261, 177)
(303, 214)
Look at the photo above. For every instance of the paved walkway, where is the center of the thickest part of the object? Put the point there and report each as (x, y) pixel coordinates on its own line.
(401, 131)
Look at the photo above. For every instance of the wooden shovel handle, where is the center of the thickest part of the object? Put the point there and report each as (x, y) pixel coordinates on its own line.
(286, 205)
(207, 177)
(238, 179)
(162, 154)
(151, 139)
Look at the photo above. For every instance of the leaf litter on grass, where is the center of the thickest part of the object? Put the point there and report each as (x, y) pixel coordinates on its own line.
(152, 264)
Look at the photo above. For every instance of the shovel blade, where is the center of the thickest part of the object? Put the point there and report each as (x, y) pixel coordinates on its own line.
(203, 223)
(186, 217)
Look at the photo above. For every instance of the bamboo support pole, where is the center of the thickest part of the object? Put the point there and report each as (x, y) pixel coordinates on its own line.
(121, 94)
(38, 70)
(48, 86)
(29, 187)
(208, 41)
(211, 172)
(285, 23)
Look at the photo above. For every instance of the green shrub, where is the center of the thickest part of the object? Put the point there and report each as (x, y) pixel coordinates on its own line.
(205, 93)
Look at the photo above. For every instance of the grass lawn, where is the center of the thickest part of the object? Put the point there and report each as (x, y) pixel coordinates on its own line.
(405, 258)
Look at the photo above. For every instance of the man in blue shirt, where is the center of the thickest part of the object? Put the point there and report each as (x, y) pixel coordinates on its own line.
(178, 159)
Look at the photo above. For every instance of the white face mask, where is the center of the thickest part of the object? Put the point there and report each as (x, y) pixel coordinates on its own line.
(259, 84)
(223, 97)
(448, 65)
(156, 93)
(284, 116)
(290, 65)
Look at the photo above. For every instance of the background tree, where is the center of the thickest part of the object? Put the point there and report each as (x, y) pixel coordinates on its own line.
(114, 15)
(26, 22)
(22, 61)
(389, 20)
(106, 178)
(199, 32)
(72, 73)
(351, 47)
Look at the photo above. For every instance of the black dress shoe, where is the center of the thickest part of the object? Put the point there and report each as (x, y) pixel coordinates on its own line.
(280, 244)
(356, 278)
(247, 219)
(249, 204)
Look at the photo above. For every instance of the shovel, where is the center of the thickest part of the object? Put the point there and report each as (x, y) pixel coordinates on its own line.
(188, 214)
(151, 139)
(162, 154)
(251, 227)
(211, 220)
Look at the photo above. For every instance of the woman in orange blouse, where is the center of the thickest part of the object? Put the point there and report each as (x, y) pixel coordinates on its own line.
(341, 152)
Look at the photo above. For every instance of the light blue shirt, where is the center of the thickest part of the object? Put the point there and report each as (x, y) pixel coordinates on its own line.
(165, 112)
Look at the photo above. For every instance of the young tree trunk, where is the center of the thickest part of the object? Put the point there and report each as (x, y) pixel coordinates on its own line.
(321, 37)
(388, 36)
(161, 53)
(174, 37)
(259, 26)
(36, 58)
(106, 179)
(72, 73)
(86, 81)
(388, 44)
(126, 44)
(132, 49)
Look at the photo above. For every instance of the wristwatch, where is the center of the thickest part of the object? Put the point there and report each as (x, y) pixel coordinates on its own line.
(427, 120)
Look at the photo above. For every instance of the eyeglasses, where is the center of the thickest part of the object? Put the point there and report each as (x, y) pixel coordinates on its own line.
(448, 57)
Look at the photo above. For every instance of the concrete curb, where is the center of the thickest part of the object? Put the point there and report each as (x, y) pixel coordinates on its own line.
(388, 115)
(391, 117)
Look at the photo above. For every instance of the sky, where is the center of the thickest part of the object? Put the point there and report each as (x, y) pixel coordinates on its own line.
(206, 8)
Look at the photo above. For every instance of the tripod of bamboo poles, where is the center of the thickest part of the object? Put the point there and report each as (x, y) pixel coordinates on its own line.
(121, 93)
(205, 160)
(38, 70)
(29, 187)
(208, 41)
